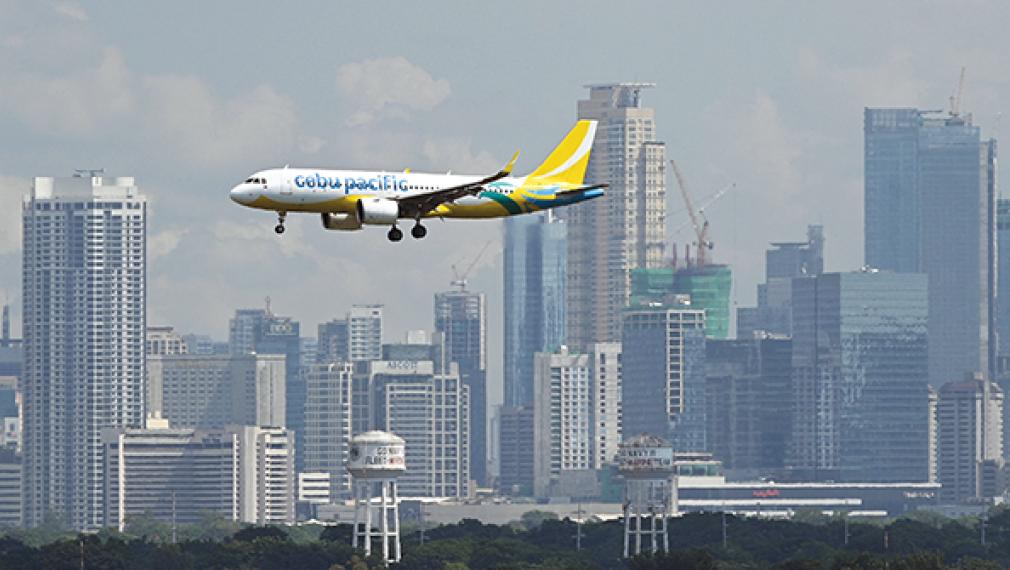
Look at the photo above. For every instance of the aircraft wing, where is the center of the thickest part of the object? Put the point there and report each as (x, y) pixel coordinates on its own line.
(581, 189)
(418, 205)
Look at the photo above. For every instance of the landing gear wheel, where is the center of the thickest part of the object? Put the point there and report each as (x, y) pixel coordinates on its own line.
(394, 234)
(279, 228)
(418, 231)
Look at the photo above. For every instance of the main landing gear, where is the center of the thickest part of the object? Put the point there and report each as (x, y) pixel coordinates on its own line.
(279, 228)
(417, 232)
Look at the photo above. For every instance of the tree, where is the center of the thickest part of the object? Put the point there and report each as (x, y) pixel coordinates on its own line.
(531, 520)
(251, 533)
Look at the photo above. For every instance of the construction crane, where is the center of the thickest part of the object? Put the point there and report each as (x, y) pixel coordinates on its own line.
(702, 244)
(459, 279)
(955, 99)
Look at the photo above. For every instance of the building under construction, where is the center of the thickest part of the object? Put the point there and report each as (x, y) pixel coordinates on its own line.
(707, 285)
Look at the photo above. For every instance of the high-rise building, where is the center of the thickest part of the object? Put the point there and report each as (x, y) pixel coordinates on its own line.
(515, 426)
(328, 422)
(164, 340)
(10, 488)
(930, 207)
(860, 387)
(364, 332)
(266, 469)
(84, 268)
(663, 376)
(534, 274)
(970, 450)
(561, 418)
(784, 262)
(604, 403)
(626, 228)
(263, 332)
(173, 475)
(1003, 290)
(461, 318)
(430, 411)
(749, 403)
(334, 343)
(210, 391)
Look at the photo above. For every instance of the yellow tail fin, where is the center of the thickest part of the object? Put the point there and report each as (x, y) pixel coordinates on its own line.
(567, 162)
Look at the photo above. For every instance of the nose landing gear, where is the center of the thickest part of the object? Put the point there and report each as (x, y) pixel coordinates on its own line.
(279, 228)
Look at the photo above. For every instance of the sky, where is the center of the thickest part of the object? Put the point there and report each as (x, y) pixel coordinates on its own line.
(191, 97)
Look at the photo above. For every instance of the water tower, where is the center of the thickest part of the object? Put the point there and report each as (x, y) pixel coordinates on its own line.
(646, 462)
(376, 459)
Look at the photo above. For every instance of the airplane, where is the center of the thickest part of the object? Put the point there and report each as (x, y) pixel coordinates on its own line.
(351, 199)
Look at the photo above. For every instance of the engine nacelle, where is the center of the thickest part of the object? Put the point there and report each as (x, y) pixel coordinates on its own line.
(341, 221)
(378, 211)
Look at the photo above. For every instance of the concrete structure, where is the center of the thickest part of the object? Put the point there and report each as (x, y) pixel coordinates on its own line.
(626, 228)
(646, 462)
(461, 321)
(266, 472)
(84, 291)
(328, 422)
(173, 475)
(970, 451)
(430, 411)
(377, 459)
(662, 388)
(164, 340)
(930, 207)
(211, 391)
(748, 386)
(314, 488)
(784, 262)
(561, 417)
(934, 434)
(860, 389)
(534, 277)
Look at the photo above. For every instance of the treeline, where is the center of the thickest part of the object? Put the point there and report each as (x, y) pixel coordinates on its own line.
(539, 541)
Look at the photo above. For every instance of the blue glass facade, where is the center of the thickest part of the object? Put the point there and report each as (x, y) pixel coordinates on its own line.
(930, 208)
(860, 377)
(535, 256)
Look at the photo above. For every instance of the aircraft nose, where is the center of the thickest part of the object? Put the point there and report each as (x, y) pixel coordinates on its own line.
(243, 194)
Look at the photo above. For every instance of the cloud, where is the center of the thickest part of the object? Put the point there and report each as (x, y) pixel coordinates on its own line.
(78, 104)
(163, 242)
(388, 88)
(205, 129)
(71, 10)
(891, 80)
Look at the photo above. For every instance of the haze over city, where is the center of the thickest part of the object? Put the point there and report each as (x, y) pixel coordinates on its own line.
(788, 291)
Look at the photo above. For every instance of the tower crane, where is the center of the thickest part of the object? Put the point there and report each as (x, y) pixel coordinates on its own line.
(701, 227)
(955, 99)
(459, 279)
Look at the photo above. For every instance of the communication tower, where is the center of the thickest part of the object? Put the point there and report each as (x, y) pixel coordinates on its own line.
(376, 459)
(646, 462)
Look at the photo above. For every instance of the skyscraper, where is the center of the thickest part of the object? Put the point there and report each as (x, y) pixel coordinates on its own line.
(783, 262)
(561, 418)
(328, 422)
(930, 201)
(535, 254)
(663, 352)
(860, 396)
(626, 228)
(461, 318)
(84, 322)
(1003, 293)
(970, 443)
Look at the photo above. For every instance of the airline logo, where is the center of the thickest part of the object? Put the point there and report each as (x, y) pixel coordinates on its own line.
(385, 182)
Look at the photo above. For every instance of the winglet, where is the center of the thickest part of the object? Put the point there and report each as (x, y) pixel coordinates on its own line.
(507, 169)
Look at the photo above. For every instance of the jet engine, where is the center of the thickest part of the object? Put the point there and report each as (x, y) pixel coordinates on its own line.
(341, 221)
(378, 211)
